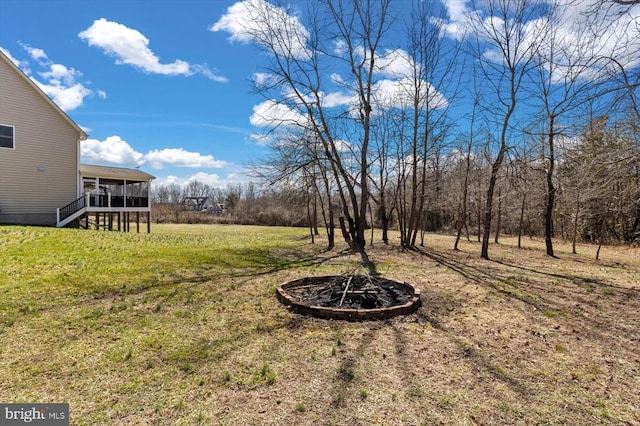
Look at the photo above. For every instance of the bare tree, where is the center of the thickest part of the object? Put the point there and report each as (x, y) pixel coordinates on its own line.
(505, 50)
(350, 35)
(571, 73)
(196, 188)
(423, 116)
(382, 174)
(161, 194)
(297, 161)
(461, 220)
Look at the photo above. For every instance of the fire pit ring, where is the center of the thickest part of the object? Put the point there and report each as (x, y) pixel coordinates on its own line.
(351, 298)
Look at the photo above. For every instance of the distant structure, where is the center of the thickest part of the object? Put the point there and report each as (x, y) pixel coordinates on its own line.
(202, 204)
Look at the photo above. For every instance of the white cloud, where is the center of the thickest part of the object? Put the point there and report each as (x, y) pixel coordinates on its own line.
(395, 63)
(343, 146)
(131, 47)
(591, 28)
(11, 58)
(67, 98)
(584, 29)
(396, 90)
(456, 9)
(270, 26)
(335, 99)
(460, 16)
(263, 139)
(391, 93)
(401, 94)
(180, 157)
(387, 93)
(167, 181)
(263, 80)
(59, 82)
(112, 150)
(205, 71)
(273, 114)
(212, 179)
(340, 47)
(36, 53)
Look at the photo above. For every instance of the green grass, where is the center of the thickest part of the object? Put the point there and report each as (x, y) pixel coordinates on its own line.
(132, 313)
(41, 268)
(181, 326)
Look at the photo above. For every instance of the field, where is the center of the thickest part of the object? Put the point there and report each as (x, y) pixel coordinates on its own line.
(182, 326)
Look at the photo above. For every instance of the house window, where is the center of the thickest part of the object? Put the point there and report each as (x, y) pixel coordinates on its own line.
(7, 134)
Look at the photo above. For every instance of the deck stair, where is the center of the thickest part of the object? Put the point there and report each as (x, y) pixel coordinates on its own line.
(72, 211)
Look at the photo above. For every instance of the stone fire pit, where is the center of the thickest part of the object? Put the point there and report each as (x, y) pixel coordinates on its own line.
(349, 297)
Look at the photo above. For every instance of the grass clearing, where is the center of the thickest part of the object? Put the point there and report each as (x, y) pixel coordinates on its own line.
(182, 326)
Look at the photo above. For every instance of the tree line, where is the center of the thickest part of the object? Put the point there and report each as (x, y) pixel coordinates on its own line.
(596, 180)
(547, 141)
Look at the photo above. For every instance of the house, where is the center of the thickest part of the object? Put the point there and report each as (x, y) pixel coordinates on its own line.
(197, 204)
(217, 209)
(202, 204)
(41, 179)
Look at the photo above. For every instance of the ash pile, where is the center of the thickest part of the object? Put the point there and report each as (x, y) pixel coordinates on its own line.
(352, 292)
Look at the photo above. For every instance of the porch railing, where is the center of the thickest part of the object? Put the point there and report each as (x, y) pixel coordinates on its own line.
(88, 200)
(117, 201)
(71, 208)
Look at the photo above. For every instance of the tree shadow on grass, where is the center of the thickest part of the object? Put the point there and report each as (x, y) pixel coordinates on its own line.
(434, 307)
(578, 280)
(569, 299)
(505, 283)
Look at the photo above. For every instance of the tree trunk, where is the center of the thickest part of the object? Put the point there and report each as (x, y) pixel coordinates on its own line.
(521, 222)
(326, 210)
(488, 211)
(499, 218)
(459, 226)
(479, 221)
(575, 223)
(313, 238)
(600, 238)
(551, 192)
(462, 213)
(315, 215)
(384, 219)
(345, 234)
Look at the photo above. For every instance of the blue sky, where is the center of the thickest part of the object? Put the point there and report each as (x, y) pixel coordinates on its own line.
(181, 112)
(166, 84)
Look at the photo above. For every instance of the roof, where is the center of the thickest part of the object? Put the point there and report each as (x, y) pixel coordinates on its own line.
(104, 172)
(55, 106)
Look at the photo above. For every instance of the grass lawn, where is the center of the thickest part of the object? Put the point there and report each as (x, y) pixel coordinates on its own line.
(182, 326)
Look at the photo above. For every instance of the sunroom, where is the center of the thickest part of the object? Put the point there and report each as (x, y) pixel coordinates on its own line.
(110, 197)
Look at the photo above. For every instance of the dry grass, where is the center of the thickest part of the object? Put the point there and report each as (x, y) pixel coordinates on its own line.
(520, 339)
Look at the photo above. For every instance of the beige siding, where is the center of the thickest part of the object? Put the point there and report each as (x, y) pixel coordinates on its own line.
(44, 139)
